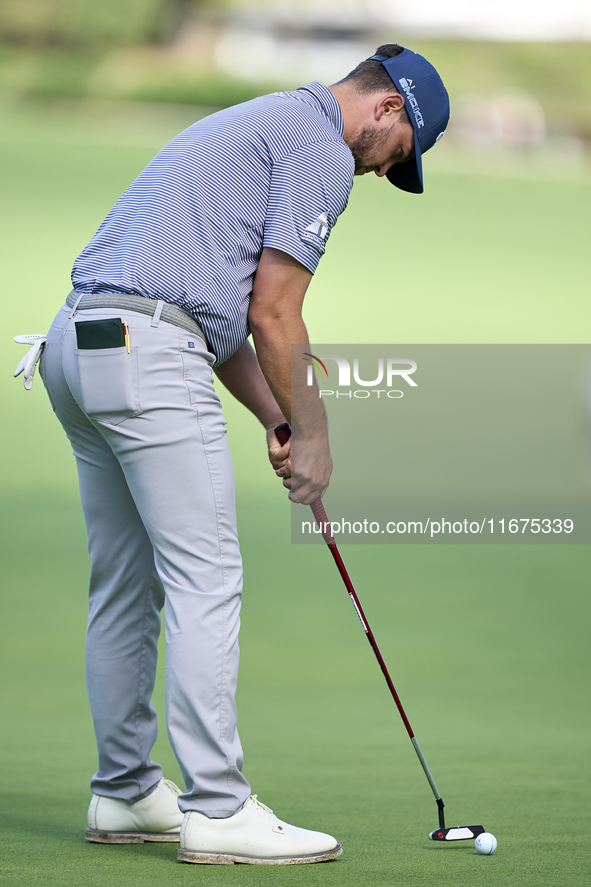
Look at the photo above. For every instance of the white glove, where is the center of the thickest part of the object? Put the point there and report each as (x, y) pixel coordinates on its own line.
(28, 364)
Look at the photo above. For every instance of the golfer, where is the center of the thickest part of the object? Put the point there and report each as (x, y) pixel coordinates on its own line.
(215, 241)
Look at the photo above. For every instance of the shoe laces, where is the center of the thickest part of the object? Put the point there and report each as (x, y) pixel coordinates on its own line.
(172, 786)
(258, 803)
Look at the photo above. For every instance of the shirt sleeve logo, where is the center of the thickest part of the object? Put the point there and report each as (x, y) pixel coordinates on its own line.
(320, 226)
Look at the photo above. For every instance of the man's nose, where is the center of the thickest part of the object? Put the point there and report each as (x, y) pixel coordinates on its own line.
(383, 169)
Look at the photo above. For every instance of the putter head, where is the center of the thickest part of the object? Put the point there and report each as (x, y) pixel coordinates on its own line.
(459, 833)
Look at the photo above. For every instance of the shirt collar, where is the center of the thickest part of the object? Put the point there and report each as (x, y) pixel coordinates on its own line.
(324, 101)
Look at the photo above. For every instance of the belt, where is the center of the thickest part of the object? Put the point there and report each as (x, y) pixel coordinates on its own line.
(141, 304)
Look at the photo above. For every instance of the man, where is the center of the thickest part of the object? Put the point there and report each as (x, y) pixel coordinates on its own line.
(217, 238)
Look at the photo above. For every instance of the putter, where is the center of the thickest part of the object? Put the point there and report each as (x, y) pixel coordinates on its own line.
(443, 833)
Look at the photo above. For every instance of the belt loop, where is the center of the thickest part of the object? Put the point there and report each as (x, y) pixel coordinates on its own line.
(156, 319)
(76, 303)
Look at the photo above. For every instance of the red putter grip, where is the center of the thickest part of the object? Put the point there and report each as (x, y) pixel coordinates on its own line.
(322, 521)
(283, 433)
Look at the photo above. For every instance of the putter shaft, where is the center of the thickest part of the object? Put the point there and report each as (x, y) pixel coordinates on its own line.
(321, 518)
(283, 433)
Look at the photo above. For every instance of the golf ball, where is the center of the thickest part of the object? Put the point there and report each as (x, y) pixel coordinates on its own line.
(486, 843)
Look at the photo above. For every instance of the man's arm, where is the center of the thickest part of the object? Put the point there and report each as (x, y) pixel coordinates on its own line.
(242, 376)
(275, 318)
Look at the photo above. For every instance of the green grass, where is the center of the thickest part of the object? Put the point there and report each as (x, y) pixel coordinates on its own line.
(488, 646)
(488, 649)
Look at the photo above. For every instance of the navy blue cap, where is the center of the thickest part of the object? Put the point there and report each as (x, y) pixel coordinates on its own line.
(427, 104)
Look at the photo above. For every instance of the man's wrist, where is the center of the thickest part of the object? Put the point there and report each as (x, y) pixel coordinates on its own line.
(273, 423)
(312, 434)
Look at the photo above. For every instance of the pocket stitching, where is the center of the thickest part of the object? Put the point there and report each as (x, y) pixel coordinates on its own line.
(106, 417)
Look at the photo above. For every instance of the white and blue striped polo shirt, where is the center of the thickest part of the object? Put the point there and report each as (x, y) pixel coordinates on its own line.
(272, 172)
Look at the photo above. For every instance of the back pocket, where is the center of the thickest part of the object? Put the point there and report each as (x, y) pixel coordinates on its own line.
(109, 386)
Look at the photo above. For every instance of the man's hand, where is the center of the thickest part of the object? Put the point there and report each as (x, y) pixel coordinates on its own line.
(313, 469)
(279, 456)
(314, 464)
(275, 318)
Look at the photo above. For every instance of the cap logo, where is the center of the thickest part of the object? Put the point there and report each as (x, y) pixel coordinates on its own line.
(440, 136)
(406, 88)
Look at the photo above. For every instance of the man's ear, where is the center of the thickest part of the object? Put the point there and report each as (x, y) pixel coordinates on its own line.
(389, 105)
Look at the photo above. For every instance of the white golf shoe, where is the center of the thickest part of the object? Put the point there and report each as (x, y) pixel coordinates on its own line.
(155, 818)
(254, 836)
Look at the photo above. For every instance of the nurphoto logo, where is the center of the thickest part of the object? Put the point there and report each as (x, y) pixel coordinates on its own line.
(389, 370)
(314, 361)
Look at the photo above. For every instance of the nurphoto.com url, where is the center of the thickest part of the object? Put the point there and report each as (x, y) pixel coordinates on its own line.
(488, 526)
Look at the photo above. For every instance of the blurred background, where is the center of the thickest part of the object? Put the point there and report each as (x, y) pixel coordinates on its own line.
(519, 73)
(488, 646)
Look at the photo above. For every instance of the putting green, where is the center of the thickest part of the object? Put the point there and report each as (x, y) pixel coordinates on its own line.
(487, 646)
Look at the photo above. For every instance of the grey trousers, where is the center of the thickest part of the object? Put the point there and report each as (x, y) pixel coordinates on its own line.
(157, 490)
